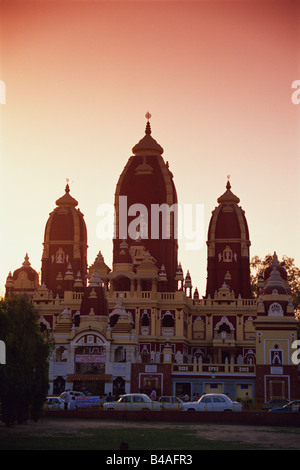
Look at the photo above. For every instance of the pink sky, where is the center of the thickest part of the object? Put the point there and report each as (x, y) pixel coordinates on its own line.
(216, 77)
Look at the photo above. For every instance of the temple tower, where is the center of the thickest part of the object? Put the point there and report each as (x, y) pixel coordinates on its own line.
(228, 248)
(145, 200)
(64, 258)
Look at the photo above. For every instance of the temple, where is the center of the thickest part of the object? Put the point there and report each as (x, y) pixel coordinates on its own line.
(139, 324)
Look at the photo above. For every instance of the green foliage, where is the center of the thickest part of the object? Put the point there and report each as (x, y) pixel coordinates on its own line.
(24, 377)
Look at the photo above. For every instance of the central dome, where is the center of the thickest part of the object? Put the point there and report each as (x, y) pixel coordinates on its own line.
(146, 183)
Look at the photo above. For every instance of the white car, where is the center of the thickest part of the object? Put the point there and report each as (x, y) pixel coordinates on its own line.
(170, 403)
(72, 393)
(213, 402)
(54, 403)
(132, 401)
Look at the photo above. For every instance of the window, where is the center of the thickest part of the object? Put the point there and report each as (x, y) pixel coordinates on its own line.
(206, 400)
(168, 320)
(125, 400)
(218, 399)
(214, 386)
(244, 386)
(145, 319)
(137, 399)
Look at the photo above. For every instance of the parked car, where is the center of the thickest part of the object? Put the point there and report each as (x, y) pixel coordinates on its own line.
(132, 401)
(54, 403)
(275, 403)
(213, 402)
(87, 402)
(170, 403)
(291, 407)
(72, 393)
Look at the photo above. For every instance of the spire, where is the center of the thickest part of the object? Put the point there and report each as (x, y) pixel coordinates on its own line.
(148, 127)
(67, 199)
(26, 262)
(147, 145)
(228, 197)
(275, 261)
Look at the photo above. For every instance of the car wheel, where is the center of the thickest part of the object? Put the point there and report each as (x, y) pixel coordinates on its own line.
(191, 409)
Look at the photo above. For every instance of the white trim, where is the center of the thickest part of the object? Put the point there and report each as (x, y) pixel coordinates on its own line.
(77, 338)
(152, 373)
(274, 340)
(277, 377)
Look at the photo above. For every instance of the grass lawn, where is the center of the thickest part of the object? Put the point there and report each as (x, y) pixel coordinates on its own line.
(110, 439)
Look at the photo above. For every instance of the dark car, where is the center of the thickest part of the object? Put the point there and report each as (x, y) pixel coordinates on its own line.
(275, 403)
(291, 407)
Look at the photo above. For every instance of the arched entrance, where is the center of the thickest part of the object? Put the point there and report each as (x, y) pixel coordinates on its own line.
(90, 362)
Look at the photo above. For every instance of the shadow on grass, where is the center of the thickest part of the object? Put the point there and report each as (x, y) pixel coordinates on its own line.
(110, 439)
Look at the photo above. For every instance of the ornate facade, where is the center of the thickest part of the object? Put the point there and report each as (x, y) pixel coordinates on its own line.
(139, 324)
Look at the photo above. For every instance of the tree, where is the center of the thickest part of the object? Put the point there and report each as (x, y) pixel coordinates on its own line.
(24, 377)
(258, 265)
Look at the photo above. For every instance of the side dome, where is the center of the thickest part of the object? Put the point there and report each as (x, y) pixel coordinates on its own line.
(23, 280)
(228, 247)
(275, 283)
(275, 299)
(228, 219)
(280, 268)
(65, 246)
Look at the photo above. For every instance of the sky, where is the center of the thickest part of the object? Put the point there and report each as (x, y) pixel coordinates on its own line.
(216, 76)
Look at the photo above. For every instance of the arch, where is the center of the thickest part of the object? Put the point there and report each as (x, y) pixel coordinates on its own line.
(275, 310)
(223, 323)
(168, 319)
(89, 338)
(121, 280)
(145, 318)
(117, 274)
(44, 324)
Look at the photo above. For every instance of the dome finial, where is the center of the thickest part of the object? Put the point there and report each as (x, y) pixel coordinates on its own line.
(228, 185)
(67, 199)
(67, 188)
(148, 127)
(147, 145)
(228, 197)
(26, 260)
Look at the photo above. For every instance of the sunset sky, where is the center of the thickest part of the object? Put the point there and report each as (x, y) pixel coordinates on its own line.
(216, 77)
